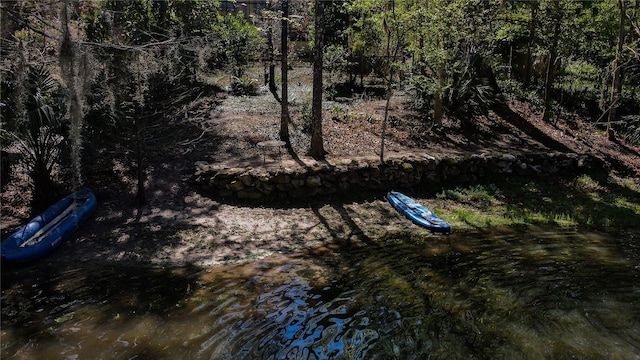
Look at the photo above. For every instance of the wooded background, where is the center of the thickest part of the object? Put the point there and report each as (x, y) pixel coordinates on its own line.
(87, 74)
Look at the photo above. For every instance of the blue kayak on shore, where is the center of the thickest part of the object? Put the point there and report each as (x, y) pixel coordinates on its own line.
(46, 231)
(417, 213)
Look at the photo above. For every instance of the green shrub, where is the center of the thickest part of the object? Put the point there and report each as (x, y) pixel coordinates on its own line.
(244, 86)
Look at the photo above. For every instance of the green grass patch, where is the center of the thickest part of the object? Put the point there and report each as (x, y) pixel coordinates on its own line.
(582, 201)
(482, 196)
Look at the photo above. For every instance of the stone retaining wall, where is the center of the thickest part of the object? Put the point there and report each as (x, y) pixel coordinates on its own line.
(363, 173)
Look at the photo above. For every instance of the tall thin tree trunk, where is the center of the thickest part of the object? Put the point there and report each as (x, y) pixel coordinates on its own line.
(317, 146)
(389, 93)
(616, 86)
(438, 105)
(67, 67)
(551, 65)
(141, 198)
(438, 97)
(284, 40)
(532, 35)
(271, 81)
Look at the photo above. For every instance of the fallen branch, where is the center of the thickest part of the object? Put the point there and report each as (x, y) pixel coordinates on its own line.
(189, 142)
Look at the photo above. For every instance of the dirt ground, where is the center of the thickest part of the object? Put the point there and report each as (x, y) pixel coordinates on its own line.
(179, 224)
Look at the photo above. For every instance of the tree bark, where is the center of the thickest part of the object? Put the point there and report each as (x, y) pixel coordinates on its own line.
(67, 66)
(141, 198)
(271, 81)
(284, 113)
(616, 86)
(317, 146)
(390, 60)
(532, 35)
(551, 65)
(438, 97)
(438, 106)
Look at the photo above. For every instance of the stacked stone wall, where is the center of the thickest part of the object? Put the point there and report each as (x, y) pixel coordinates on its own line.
(367, 173)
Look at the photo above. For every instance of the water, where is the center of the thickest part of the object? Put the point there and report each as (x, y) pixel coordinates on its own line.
(494, 295)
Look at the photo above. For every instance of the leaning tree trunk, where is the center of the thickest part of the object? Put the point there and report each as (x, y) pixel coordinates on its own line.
(317, 146)
(616, 86)
(284, 104)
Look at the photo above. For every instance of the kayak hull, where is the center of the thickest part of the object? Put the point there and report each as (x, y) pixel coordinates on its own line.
(68, 213)
(417, 213)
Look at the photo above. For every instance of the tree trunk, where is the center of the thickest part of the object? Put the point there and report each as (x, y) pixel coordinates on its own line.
(317, 146)
(438, 106)
(386, 109)
(284, 113)
(551, 65)
(271, 81)
(390, 60)
(67, 67)
(532, 35)
(141, 198)
(616, 86)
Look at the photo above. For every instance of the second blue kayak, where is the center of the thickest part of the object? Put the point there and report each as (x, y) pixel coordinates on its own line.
(417, 213)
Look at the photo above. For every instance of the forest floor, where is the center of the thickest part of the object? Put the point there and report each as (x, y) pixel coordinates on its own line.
(180, 224)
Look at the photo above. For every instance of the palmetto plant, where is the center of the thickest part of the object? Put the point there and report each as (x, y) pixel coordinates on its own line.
(471, 89)
(37, 131)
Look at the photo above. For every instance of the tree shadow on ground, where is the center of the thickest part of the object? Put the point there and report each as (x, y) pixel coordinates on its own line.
(515, 119)
(602, 206)
(343, 235)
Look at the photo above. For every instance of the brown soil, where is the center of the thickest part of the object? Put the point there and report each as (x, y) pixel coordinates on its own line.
(180, 224)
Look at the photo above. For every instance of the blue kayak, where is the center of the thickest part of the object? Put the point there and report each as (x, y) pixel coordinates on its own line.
(45, 232)
(417, 213)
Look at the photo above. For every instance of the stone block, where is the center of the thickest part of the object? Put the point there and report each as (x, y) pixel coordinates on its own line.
(281, 178)
(296, 183)
(250, 194)
(265, 187)
(327, 190)
(304, 192)
(284, 187)
(314, 181)
(247, 180)
(236, 185)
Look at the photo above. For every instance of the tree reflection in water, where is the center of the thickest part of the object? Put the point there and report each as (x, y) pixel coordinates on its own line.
(501, 294)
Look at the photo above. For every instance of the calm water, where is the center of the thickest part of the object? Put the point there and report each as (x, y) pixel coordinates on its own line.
(506, 295)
